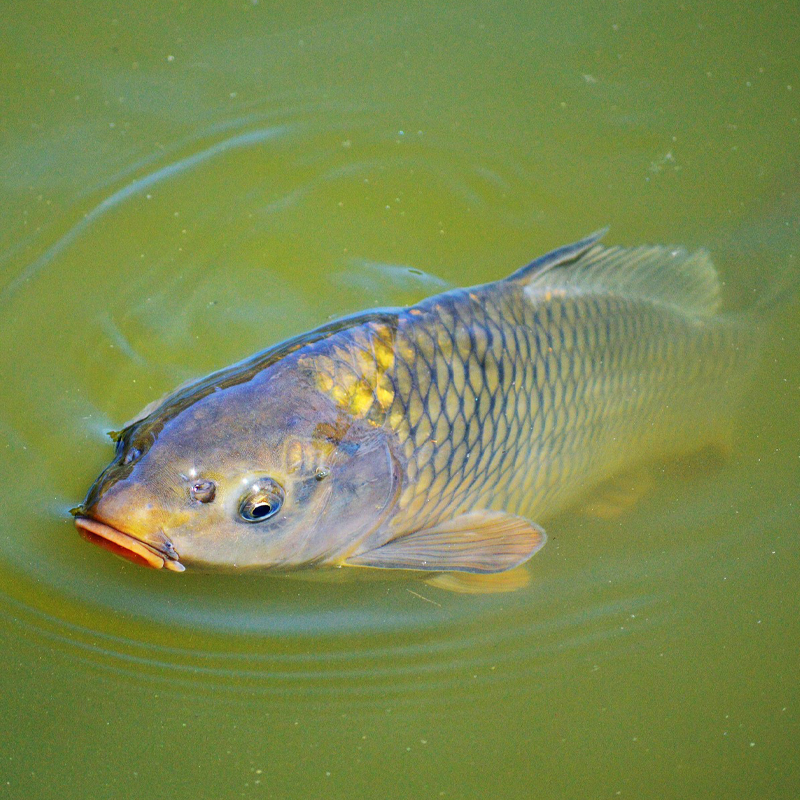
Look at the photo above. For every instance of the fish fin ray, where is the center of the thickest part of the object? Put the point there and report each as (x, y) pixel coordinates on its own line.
(670, 275)
(478, 541)
(559, 257)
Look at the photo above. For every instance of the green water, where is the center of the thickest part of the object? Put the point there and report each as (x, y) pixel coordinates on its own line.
(183, 184)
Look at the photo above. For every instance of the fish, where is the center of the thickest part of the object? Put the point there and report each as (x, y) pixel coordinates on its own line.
(435, 437)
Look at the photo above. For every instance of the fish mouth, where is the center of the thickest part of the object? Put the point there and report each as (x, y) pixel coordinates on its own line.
(127, 546)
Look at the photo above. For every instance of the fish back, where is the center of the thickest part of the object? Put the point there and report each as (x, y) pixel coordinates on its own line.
(520, 394)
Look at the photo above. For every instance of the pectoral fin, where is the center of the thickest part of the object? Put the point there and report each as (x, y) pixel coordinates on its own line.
(480, 541)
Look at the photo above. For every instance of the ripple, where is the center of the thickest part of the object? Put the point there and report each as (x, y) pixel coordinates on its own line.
(354, 643)
(341, 669)
(135, 187)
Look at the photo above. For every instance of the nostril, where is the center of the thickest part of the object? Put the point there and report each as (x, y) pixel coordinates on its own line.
(203, 491)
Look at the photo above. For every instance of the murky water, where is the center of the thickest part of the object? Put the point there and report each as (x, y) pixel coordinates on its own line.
(184, 185)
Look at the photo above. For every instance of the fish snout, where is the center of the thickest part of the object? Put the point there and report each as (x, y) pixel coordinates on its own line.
(127, 546)
(122, 525)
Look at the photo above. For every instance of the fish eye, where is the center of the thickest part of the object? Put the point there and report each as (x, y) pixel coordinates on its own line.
(203, 491)
(132, 455)
(262, 501)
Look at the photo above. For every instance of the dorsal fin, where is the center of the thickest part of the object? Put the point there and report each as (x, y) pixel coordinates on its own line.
(563, 255)
(669, 275)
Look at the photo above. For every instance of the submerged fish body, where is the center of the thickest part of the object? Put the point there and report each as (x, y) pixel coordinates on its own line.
(432, 437)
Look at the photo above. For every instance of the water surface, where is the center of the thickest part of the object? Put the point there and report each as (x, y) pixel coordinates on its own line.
(185, 184)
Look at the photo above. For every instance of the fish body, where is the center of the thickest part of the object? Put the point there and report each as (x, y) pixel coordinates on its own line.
(432, 437)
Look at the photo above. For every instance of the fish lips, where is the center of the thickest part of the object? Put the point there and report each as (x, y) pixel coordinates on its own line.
(128, 546)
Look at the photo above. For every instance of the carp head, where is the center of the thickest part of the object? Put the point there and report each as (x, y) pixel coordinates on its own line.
(255, 468)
